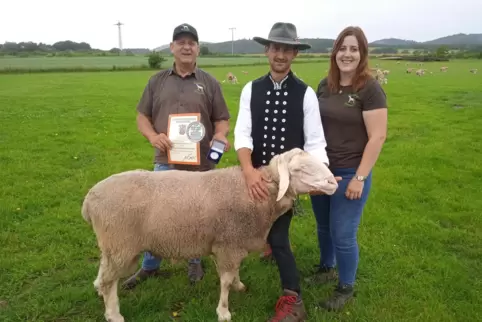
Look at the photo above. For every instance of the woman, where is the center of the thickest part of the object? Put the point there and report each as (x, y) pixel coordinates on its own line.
(354, 117)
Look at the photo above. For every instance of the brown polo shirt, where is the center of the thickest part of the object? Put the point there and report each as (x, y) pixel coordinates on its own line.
(342, 119)
(168, 93)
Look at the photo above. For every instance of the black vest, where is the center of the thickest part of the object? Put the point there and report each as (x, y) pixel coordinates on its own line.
(276, 116)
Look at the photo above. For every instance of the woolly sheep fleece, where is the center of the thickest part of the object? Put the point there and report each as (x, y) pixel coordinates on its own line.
(183, 214)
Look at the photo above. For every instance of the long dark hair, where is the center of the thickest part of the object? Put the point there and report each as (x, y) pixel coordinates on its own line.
(362, 73)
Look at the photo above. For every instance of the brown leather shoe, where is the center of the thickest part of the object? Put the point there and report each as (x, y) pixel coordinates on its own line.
(340, 297)
(195, 272)
(323, 275)
(289, 308)
(142, 275)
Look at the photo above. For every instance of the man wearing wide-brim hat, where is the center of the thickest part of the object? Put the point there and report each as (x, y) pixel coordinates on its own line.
(283, 33)
(279, 112)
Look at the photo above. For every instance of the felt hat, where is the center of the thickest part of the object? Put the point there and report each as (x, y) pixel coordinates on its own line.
(283, 33)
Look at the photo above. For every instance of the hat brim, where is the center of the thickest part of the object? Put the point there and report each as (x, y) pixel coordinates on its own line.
(267, 41)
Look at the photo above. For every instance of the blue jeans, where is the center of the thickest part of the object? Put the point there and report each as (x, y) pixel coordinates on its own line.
(149, 261)
(337, 219)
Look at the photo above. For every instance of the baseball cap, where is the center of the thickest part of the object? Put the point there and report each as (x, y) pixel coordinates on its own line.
(185, 29)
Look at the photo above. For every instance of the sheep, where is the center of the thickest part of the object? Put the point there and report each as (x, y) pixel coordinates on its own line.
(443, 69)
(232, 78)
(379, 76)
(473, 71)
(184, 214)
(420, 72)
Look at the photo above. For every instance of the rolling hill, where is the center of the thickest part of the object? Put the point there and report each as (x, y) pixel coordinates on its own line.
(323, 45)
(393, 42)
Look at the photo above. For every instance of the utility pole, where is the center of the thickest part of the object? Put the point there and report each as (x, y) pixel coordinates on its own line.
(119, 24)
(232, 39)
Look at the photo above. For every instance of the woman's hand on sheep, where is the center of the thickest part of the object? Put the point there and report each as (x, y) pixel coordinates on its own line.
(161, 141)
(256, 182)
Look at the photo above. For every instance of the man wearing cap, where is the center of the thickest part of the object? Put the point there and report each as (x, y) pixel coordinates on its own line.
(183, 88)
(279, 112)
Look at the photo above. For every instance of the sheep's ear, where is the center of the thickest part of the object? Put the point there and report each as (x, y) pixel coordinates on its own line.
(283, 170)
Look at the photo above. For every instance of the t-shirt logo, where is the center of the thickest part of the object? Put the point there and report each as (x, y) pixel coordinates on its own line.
(199, 88)
(351, 100)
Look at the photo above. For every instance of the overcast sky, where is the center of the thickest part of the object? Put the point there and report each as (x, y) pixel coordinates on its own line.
(149, 23)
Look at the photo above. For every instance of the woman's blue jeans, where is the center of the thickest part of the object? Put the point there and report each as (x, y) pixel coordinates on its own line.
(337, 219)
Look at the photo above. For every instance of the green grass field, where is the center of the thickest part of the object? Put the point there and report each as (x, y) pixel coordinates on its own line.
(108, 61)
(420, 237)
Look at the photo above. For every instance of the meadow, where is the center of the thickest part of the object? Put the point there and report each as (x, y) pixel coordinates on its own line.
(420, 237)
(107, 62)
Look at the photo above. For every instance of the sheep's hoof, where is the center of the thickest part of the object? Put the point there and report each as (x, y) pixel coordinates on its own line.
(224, 316)
(118, 318)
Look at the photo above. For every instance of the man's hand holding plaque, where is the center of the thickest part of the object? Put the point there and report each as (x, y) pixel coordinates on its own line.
(161, 142)
(185, 131)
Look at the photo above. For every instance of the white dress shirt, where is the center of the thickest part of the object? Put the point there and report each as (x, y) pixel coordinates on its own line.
(315, 142)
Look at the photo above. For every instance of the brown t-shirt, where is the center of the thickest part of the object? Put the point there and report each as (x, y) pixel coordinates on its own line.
(168, 93)
(342, 119)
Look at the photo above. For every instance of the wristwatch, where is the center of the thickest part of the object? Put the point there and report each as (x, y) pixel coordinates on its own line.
(360, 178)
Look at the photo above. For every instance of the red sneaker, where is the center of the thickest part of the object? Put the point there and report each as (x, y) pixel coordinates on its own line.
(289, 308)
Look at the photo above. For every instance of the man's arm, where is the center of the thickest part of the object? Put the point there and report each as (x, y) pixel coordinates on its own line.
(144, 113)
(144, 125)
(222, 127)
(243, 142)
(220, 113)
(315, 142)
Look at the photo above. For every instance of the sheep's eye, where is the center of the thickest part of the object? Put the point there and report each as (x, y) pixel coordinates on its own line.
(297, 169)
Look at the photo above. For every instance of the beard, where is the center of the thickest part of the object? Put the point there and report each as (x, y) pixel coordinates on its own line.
(279, 66)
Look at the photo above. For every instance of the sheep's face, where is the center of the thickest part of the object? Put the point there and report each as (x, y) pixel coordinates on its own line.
(303, 173)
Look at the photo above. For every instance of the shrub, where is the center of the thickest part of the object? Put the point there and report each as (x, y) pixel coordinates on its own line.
(155, 60)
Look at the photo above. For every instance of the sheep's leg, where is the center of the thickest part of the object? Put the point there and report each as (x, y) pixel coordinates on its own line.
(106, 285)
(111, 301)
(222, 310)
(97, 280)
(237, 284)
(227, 264)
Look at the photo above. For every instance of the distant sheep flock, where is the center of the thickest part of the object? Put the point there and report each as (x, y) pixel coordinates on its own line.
(381, 75)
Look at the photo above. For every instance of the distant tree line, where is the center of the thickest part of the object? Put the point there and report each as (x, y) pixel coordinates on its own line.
(439, 53)
(62, 48)
(13, 47)
(413, 51)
